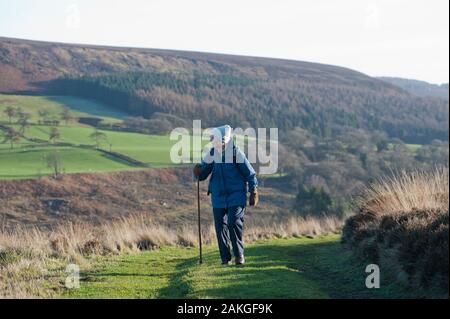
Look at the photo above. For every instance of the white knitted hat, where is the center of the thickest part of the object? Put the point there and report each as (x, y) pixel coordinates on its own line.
(222, 133)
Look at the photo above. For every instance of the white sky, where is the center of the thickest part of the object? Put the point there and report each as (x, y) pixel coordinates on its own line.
(405, 38)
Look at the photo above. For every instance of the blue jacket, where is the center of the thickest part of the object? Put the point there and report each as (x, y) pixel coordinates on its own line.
(230, 181)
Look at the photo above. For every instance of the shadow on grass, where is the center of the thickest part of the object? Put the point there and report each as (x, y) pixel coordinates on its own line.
(271, 271)
(118, 274)
(178, 286)
(88, 106)
(307, 270)
(121, 160)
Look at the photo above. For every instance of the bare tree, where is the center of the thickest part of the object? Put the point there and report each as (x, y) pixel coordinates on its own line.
(10, 112)
(66, 116)
(24, 121)
(53, 161)
(98, 137)
(11, 136)
(54, 134)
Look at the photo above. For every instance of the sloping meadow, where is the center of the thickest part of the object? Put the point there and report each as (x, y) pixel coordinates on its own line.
(47, 224)
(33, 262)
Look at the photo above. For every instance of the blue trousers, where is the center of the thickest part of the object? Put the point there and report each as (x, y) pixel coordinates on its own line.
(229, 224)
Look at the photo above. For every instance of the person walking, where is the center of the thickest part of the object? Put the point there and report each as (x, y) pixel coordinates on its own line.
(232, 177)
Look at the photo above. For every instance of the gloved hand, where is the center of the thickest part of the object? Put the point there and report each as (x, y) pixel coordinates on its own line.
(254, 198)
(197, 170)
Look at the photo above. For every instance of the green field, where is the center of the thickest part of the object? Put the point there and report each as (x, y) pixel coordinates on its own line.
(30, 163)
(279, 268)
(151, 149)
(26, 160)
(55, 104)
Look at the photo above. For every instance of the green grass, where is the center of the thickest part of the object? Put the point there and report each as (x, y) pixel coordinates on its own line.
(153, 150)
(54, 105)
(150, 149)
(25, 163)
(30, 163)
(278, 268)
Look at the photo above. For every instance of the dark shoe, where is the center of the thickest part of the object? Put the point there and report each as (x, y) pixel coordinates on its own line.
(240, 260)
(226, 263)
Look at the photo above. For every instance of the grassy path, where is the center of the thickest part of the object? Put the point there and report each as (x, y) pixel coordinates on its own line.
(279, 268)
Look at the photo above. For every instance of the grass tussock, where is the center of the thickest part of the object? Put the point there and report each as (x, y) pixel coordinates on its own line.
(407, 191)
(402, 225)
(32, 261)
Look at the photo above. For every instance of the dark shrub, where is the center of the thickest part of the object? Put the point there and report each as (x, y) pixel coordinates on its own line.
(419, 239)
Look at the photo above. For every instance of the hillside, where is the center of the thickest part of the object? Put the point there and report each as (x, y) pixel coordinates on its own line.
(419, 88)
(165, 196)
(324, 99)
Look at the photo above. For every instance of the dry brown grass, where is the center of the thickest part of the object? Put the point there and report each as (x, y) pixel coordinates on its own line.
(405, 192)
(403, 225)
(26, 255)
(294, 227)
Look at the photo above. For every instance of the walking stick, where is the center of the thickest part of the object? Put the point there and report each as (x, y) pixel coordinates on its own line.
(199, 224)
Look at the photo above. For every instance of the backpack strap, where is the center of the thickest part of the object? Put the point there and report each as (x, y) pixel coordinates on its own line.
(234, 159)
(235, 148)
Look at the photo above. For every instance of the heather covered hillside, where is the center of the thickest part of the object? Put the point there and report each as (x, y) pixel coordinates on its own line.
(166, 196)
(323, 99)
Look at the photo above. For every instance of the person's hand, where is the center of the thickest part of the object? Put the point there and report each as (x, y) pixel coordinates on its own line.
(197, 170)
(254, 198)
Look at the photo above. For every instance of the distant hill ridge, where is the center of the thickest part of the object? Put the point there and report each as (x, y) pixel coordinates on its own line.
(420, 88)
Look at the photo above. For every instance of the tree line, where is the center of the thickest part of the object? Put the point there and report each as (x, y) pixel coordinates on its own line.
(322, 108)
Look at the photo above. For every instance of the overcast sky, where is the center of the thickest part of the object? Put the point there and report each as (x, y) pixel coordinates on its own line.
(405, 38)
